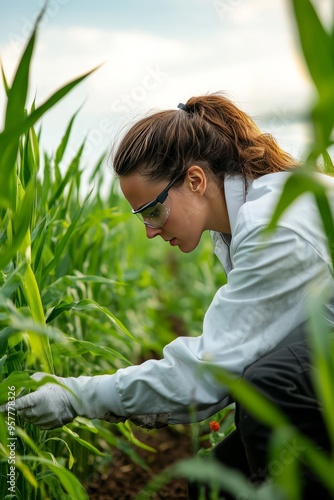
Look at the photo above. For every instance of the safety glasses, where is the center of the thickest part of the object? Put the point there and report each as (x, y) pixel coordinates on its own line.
(155, 213)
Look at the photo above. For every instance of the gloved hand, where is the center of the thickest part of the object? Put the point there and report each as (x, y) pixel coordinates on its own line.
(52, 406)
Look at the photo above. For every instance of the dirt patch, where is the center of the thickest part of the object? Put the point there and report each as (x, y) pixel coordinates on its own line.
(125, 479)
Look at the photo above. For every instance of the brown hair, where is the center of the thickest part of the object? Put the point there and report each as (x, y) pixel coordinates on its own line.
(211, 132)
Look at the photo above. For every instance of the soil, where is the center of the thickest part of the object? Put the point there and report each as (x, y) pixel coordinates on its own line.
(125, 479)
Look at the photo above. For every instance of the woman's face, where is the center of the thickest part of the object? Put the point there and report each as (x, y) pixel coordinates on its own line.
(188, 207)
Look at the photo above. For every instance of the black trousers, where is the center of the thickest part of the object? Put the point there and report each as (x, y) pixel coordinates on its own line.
(285, 378)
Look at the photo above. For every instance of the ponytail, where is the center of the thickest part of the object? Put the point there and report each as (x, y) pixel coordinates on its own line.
(209, 131)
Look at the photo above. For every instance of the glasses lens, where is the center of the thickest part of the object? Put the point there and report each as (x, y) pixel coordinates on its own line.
(154, 216)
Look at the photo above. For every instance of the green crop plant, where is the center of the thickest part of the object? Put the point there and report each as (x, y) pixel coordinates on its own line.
(35, 230)
(44, 274)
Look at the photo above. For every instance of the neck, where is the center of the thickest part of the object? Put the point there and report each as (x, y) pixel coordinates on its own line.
(218, 218)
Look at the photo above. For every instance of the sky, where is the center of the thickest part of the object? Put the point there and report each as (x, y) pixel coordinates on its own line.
(153, 55)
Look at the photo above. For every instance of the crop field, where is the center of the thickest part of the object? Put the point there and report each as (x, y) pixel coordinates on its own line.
(82, 291)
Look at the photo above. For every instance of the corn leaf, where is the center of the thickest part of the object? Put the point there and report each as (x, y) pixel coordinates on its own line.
(4, 80)
(86, 305)
(83, 442)
(213, 474)
(31, 157)
(300, 182)
(322, 352)
(317, 46)
(71, 172)
(258, 405)
(68, 480)
(16, 124)
(328, 163)
(73, 348)
(39, 239)
(126, 429)
(284, 465)
(62, 244)
(62, 146)
(21, 127)
(18, 92)
(17, 95)
(120, 444)
(39, 343)
(12, 282)
(58, 288)
(22, 223)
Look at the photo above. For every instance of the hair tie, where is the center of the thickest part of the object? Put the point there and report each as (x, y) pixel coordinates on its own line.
(184, 107)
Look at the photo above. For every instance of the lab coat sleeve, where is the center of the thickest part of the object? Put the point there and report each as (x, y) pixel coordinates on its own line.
(262, 302)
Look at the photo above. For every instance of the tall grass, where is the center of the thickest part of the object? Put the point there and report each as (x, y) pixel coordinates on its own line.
(37, 226)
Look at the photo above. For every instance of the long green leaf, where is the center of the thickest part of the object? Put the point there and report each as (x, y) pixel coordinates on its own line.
(264, 411)
(213, 474)
(83, 442)
(22, 221)
(17, 95)
(322, 352)
(31, 157)
(87, 305)
(18, 92)
(71, 172)
(62, 244)
(284, 464)
(305, 181)
(12, 281)
(63, 144)
(39, 343)
(328, 162)
(114, 441)
(257, 404)
(68, 480)
(9, 141)
(57, 289)
(73, 347)
(38, 238)
(4, 79)
(21, 127)
(316, 45)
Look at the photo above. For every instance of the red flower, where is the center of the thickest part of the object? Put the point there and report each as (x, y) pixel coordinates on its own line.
(214, 426)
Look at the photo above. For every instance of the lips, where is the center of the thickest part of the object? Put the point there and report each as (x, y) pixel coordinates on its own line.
(172, 242)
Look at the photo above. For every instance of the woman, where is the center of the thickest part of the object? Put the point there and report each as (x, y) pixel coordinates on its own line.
(207, 167)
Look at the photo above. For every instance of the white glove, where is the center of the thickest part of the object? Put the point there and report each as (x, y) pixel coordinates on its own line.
(52, 406)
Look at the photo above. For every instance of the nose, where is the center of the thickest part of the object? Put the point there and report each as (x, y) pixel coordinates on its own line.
(152, 232)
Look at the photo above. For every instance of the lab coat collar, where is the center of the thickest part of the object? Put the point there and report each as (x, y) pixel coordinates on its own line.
(235, 195)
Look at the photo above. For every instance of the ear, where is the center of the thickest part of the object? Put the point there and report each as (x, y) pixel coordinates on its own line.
(196, 179)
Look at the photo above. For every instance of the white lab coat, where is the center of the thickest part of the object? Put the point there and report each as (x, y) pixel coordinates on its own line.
(265, 298)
